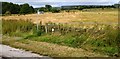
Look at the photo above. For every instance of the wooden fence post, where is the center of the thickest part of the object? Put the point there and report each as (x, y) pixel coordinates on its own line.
(46, 27)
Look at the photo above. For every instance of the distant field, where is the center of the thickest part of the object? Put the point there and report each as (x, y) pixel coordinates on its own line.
(74, 17)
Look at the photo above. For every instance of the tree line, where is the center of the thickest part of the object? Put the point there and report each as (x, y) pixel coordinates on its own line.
(49, 8)
(81, 7)
(10, 8)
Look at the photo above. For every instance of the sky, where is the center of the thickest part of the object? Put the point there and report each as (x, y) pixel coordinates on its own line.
(58, 3)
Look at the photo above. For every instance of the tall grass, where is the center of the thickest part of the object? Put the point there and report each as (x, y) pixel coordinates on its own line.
(13, 26)
(97, 37)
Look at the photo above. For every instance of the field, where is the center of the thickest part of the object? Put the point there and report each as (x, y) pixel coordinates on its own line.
(91, 33)
(70, 17)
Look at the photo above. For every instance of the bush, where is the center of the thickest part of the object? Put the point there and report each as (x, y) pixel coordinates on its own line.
(7, 13)
(38, 31)
(55, 10)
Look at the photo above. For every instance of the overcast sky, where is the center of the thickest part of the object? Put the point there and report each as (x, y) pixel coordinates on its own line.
(57, 3)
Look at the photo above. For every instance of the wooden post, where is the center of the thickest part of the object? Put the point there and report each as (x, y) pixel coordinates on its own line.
(46, 28)
(37, 20)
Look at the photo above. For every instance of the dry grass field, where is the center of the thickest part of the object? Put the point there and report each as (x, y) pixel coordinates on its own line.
(109, 17)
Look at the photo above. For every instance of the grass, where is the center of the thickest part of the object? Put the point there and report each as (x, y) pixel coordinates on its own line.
(0, 26)
(102, 36)
(49, 49)
(101, 47)
(63, 40)
(97, 45)
(64, 17)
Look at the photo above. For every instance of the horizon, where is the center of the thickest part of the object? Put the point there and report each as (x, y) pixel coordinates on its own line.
(59, 3)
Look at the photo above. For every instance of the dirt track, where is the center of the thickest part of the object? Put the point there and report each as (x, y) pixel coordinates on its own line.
(7, 51)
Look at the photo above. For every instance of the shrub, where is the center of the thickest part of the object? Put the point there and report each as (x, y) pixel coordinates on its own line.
(55, 10)
(7, 13)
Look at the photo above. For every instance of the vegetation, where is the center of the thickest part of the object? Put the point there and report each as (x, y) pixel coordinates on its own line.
(71, 30)
(49, 8)
(12, 8)
(10, 27)
(43, 9)
(81, 7)
(102, 39)
(48, 49)
(16, 9)
(26, 9)
(55, 10)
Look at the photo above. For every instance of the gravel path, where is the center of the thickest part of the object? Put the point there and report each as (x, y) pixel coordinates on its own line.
(7, 51)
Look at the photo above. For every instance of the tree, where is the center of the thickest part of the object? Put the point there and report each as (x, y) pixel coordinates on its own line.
(16, 9)
(55, 10)
(80, 8)
(117, 5)
(31, 9)
(43, 9)
(48, 7)
(12, 8)
(24, 9)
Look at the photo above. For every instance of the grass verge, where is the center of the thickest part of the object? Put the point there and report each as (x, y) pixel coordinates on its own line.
(49, 49)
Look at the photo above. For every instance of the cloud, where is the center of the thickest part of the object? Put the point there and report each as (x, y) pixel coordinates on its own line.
(62, 0)
(39, 3)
